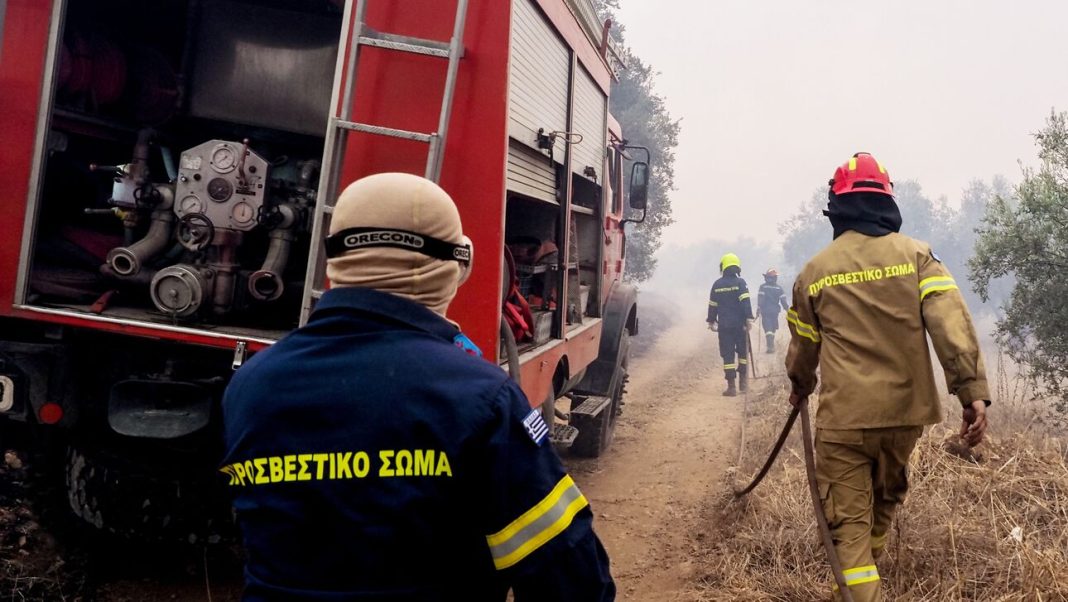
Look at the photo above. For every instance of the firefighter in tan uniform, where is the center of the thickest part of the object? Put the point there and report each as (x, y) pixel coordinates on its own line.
(862, 310)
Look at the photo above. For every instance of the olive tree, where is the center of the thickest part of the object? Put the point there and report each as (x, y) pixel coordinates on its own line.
(1027, 237)
(643, 115)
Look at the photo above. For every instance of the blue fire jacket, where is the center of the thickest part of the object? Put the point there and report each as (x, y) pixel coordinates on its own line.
(729, 303)
(372, 457)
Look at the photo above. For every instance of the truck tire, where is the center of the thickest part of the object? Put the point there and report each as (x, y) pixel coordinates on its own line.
(116, 496)
(593, 440)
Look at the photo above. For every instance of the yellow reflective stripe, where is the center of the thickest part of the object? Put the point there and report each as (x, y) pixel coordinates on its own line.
(743, 296)
(802, 329)
(531, 515)
(713, 304)
(936, 284)
(793, 318)
(939, 279)
(935, 289)
(861, 574)
(730, 366)
(533, 528)
(743, 362)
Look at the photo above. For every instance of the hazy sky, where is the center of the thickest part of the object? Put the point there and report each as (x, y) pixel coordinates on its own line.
(774, 94)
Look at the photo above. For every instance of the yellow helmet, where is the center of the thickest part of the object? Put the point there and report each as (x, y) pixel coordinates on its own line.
(728, 260)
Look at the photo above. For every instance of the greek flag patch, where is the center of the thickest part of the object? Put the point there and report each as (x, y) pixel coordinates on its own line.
(535, 426)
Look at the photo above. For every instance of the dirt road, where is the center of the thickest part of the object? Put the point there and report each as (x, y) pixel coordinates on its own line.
(675, 440)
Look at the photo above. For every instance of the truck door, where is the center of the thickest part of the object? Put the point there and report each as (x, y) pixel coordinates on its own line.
(538, 99)
(24, 31)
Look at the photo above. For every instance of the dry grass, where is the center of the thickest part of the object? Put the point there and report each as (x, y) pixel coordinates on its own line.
(32, 564)
(993, 526)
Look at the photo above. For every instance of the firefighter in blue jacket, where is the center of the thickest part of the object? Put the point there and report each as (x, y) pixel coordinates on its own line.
(730, 311)
(374, 456)
(770, 297)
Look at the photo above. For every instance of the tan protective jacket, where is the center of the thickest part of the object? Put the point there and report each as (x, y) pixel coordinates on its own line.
(860, 312)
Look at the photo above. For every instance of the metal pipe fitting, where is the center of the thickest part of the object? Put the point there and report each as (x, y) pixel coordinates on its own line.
(179, 290)
(266, 284)
(225, 267)
(308, 170)
(128, 261)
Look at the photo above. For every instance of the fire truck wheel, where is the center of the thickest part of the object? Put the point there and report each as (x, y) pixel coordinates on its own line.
(592, 442)
(116, 496)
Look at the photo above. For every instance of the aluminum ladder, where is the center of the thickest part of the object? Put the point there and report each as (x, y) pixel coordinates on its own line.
(340, 125)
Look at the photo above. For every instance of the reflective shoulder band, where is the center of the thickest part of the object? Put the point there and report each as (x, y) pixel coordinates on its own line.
(802, 329)
(936, 284)
(547, 519)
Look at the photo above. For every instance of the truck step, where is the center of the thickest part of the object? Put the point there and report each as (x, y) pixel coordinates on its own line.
(592, 406)
(563, 435)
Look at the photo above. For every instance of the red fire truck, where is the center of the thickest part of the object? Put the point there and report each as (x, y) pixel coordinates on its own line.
(168, 172)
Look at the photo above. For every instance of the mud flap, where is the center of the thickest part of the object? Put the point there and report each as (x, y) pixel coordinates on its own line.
(596, 416)
(590, 418)
(620, 318)
(158, 409)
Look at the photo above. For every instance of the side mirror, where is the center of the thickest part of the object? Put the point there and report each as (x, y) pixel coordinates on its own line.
(639, 185)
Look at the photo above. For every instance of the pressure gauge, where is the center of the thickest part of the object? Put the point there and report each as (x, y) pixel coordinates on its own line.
(190, 204)
(223, 158)
(243, 213)
(220, 189)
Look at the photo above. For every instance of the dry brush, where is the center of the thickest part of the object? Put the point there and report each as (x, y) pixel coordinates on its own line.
(985, 526)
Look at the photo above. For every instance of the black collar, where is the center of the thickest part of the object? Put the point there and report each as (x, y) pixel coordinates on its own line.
(390, 307)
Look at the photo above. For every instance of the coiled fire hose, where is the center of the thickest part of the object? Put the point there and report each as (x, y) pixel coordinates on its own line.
(813, 488)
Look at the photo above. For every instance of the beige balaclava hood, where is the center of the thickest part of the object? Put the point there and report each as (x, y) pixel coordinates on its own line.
(398, 201)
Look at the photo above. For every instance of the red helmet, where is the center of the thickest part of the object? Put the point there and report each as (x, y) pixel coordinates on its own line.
(771, 272)
(861, 173)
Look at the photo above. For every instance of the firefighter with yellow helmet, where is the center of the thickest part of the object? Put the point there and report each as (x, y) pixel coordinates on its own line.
(863, 309)
(730, 312)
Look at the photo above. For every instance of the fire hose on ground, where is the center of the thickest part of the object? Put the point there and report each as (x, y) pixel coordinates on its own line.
(813, 488)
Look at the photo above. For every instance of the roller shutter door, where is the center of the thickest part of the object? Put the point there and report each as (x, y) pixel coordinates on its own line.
(589, 121)
(529, 173)
(537, 99)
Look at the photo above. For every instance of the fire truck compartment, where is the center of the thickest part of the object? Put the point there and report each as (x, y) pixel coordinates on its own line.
(180, 163)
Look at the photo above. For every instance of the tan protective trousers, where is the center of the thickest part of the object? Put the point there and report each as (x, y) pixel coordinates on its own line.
(862, 477)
